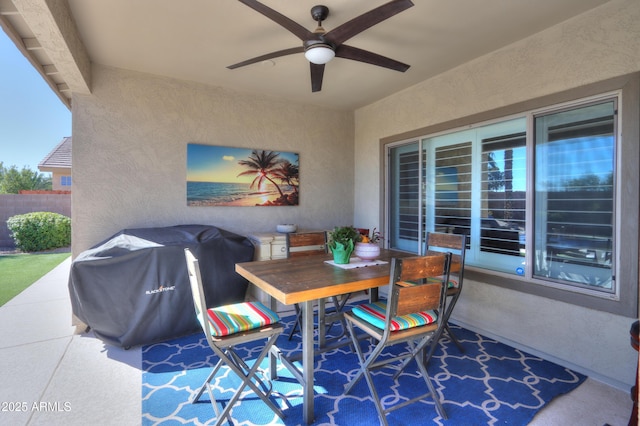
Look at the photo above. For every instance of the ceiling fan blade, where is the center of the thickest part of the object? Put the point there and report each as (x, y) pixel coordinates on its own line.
(298, 30)
(360, 55)
(344, 32)
(317, 72)
(268, 56)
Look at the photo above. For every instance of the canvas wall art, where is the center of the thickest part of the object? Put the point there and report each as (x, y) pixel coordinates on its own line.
(226, 176)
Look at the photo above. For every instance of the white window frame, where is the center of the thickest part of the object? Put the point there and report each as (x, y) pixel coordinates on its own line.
(624, 301)
(615, 292)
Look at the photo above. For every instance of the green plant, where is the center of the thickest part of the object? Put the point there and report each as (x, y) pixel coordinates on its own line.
(343, 235)
(40, 231)
(373, 238)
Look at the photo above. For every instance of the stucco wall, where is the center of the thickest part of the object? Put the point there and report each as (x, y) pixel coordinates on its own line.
(595, 46)
(129, 153)
(56, 180)
(130, 140)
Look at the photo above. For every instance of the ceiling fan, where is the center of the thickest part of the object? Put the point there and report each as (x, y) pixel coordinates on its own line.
(320, 46)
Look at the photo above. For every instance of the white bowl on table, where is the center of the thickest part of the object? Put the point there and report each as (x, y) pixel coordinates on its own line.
(286, 228)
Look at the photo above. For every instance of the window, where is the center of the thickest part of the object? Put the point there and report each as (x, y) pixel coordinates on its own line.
(405, 176)
(574, 195)
(65, 180)
(536, 204)
(470, 182)
(503, 194)
(570, 158)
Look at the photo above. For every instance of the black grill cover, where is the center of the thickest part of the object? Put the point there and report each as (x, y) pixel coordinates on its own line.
(133, 289)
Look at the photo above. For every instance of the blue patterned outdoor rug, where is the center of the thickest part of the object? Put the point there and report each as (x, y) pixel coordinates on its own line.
(489, 384)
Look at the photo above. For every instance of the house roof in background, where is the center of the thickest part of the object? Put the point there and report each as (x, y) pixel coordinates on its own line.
(59, 157)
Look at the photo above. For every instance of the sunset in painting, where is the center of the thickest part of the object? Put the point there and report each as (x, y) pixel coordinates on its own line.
(224, 176)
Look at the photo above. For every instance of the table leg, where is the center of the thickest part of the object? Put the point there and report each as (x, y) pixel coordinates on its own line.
(307, 361)
(273, 303)
(373, 294)
(322, 324)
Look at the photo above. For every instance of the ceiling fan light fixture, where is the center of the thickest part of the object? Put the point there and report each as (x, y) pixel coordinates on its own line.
(319, 54)
(320, 46)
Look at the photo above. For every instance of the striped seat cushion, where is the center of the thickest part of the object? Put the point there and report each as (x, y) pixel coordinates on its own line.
(375, 314)
(231, 319)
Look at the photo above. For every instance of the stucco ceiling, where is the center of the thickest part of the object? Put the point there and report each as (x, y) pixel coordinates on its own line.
(196, 40)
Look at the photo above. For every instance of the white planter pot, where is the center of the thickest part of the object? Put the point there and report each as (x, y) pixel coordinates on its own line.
(367, 251)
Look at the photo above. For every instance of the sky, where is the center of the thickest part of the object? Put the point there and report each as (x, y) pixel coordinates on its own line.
(33, 120)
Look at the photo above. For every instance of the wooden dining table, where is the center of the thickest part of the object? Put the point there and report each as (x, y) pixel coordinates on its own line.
(308, 279)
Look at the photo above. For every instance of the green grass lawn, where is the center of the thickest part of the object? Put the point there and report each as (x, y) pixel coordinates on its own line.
(19, 271)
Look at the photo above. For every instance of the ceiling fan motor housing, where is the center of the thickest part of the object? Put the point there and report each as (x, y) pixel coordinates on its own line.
(315, 42)
(319, 13)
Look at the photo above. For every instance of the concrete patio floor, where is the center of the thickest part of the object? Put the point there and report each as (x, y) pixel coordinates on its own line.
(53, 376)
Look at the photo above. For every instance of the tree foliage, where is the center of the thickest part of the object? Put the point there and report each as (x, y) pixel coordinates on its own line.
(590, 182)
(262, 164)
(13, 180)
(288, 174)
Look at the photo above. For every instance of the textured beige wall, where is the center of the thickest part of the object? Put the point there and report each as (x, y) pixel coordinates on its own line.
(129, 155)
(595, 46)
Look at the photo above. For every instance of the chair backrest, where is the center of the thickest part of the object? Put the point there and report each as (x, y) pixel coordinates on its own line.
(456, 244)
(412, 288)
(306, 243)
(363, 231)
(197, 291)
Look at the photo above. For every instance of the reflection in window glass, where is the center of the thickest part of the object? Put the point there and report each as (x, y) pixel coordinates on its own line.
(453, 188)
(503, 194)
(405, 195)
(574, 195)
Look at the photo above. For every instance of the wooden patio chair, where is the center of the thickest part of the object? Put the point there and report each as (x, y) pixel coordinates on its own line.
(457, 245)
(408, 316)
(226, 327)
(307, 244)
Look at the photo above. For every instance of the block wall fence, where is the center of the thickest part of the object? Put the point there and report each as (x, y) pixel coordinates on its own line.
(28, 202)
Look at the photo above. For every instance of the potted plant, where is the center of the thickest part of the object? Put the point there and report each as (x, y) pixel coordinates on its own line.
(342, 240)
(368, 248)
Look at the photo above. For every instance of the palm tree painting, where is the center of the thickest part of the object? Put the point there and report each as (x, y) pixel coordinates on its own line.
(225, 176)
